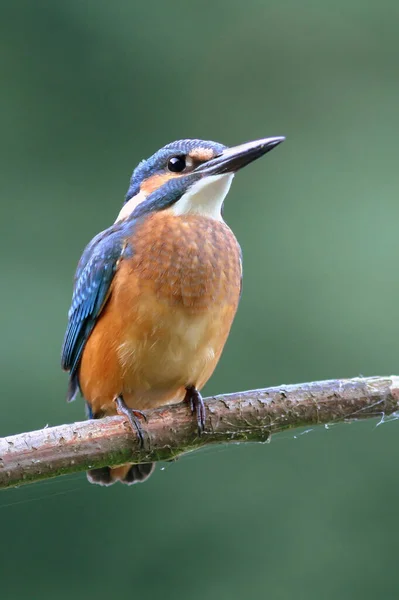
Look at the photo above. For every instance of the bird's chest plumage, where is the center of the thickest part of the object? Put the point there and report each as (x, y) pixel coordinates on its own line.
(182, 288)
(190, 261)
(170, 311)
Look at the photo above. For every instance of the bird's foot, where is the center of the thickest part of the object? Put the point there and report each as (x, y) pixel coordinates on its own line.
(132, 416)
(194, 398)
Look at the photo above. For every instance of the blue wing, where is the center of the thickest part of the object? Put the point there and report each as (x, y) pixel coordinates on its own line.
(94, 275)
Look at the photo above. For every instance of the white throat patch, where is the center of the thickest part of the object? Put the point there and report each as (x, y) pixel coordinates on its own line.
(130, 205)
(205, 197)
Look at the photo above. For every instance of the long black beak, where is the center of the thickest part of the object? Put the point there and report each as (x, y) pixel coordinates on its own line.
(233, 159)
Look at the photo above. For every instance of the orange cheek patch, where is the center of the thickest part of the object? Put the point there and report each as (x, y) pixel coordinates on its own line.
(202, 154)
(156, 181)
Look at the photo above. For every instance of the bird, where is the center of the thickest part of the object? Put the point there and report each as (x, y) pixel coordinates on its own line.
(155, 294)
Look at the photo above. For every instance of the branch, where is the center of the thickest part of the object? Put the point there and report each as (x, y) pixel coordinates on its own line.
(171, 431)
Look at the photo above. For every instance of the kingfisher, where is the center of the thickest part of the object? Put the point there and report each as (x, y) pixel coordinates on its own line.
(156, 293)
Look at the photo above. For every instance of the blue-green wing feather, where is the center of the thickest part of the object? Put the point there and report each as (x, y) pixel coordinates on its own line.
(93, 278)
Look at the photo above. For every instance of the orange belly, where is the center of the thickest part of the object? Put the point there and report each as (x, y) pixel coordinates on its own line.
(168, 317)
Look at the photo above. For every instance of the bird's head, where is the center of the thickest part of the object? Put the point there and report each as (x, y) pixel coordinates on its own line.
(189, 176)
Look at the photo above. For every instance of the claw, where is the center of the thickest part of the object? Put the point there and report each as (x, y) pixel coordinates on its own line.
(131, 415)
(194, 398)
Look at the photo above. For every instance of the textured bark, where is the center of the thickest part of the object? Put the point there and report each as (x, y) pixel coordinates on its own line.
(172, 431)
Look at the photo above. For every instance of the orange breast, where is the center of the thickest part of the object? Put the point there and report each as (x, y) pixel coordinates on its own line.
(169, 314)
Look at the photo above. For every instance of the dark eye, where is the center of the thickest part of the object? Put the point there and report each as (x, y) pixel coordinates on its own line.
(177, 164)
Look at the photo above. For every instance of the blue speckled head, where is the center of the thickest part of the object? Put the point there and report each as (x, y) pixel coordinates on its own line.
(158, 162)
(181, 169)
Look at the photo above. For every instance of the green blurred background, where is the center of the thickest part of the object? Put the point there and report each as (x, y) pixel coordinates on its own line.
(89, 88)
